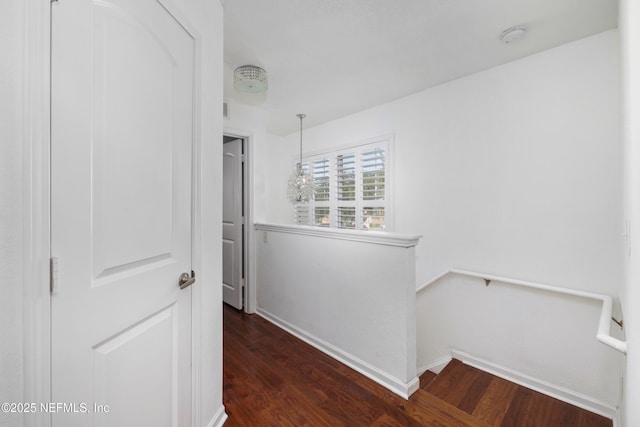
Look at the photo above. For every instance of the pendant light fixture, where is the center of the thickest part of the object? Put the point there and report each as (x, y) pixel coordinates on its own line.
(301, 187)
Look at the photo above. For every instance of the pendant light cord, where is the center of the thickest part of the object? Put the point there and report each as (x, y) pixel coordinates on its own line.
(301, 116)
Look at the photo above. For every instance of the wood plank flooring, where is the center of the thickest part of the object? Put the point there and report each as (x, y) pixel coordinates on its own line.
(273, 379)
(498, 402)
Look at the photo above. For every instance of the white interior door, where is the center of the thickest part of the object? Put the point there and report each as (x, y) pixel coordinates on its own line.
(121, 209)
(232, 220)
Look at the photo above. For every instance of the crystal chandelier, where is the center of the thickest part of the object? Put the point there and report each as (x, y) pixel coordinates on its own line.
(250, 80)
(301, 187)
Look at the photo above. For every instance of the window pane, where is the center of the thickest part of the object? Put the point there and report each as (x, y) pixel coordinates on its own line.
(321, 216)
(321, 180)
(346, 217)
(350, 187)
(373, 171)
(373, 218)
(346, 176)
(302, 214)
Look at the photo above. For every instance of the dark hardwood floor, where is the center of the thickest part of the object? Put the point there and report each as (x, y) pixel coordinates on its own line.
(272, 378)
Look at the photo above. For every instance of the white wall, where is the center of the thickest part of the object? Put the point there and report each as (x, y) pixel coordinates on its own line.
(11, 207)
(349, 293)
(512, 171)
(630, 38)
(267, 151)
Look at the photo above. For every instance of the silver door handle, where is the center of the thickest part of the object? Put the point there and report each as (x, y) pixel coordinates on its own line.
(184, 281)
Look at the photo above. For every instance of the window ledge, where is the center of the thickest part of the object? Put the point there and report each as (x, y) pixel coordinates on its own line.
(374, 237)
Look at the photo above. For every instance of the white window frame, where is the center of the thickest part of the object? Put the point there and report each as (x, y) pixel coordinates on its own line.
(304, 213)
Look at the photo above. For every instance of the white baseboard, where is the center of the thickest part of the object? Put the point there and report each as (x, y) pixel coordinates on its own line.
(617, 422)
(436, 366)
(395, 385)
(544, 387)
(219, 418)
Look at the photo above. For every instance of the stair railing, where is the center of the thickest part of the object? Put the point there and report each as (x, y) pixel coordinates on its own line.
(604, 330)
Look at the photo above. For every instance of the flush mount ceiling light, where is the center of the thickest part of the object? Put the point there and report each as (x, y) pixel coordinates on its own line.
(301, 187)
(513, 34)
(250, 80)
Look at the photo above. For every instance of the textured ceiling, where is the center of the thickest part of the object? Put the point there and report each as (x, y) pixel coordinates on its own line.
(332, 58)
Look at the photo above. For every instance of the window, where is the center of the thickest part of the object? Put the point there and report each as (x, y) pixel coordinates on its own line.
(351, 188)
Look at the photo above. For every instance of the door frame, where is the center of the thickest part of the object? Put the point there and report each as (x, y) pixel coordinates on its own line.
(250, 298)
(36, 208)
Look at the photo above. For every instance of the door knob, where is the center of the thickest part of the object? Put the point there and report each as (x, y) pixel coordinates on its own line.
(184, 281)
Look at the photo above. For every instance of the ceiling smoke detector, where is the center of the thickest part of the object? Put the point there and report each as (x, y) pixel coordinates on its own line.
(513, 34)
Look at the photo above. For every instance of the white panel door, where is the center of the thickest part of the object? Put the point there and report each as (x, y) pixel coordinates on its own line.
(121, 209)
(232, 246)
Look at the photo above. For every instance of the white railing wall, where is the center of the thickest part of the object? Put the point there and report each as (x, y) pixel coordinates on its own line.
(349, 293)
